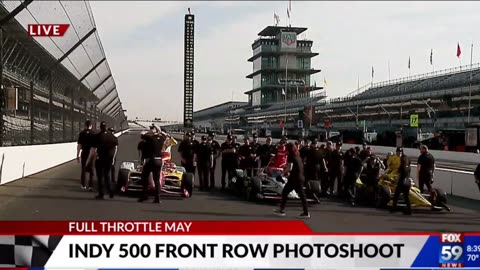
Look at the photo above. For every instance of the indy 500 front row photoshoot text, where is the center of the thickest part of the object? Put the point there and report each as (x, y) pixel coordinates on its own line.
(225, 245)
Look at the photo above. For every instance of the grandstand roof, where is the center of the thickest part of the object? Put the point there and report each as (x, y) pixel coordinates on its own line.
(222, 104)
(274, 30)
(15, 29)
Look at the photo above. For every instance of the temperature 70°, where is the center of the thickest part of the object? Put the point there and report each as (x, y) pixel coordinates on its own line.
(473, 257)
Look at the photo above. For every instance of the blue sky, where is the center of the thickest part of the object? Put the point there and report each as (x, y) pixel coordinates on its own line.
(144, 45)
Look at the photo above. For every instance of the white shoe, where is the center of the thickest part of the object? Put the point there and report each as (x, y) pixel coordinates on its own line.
(279, 212)
(304, 216)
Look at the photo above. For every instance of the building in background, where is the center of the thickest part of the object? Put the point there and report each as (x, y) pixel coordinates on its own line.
(282, 65)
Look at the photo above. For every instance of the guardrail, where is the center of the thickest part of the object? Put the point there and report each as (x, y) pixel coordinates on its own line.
(455, 182)
(17, 162)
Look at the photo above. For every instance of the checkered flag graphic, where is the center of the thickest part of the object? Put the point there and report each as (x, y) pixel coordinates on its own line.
(27, 251)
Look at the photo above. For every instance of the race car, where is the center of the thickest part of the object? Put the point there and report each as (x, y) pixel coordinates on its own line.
(268, 185)
(173, 179)
(382, 194)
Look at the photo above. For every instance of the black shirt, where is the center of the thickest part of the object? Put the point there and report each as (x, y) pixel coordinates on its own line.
(204, 152)
(227, 146)
(353, 165)
(404, 170)
(187, 150)
(105, 143)
(335, 162)
(304, 152)
(85, 139)
(153, 146)
(215, 147)
(296, 174)
(314, 157)
(246, 151)
(427, 163)
(140, 147)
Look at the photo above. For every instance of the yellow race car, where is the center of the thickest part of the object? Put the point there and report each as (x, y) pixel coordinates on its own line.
(384, 190)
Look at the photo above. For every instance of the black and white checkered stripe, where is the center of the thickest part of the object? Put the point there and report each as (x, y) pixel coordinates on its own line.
(27, 251)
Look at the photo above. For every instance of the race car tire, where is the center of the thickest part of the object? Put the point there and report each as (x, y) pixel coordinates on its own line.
(314, 188)
(122, 179)
(181, 169)
(187, 185)
(441, 196)
(383, 195)
(252, 190)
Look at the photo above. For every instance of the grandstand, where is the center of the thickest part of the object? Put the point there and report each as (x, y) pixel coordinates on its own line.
(51, 86)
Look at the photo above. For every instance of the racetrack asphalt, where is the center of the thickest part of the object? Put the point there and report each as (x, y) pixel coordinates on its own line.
(55, 194)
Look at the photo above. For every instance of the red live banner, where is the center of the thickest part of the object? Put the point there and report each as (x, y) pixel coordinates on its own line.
(47, 30)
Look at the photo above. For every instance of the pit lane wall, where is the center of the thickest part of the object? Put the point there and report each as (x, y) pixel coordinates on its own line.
(457, 182)
(18, 162)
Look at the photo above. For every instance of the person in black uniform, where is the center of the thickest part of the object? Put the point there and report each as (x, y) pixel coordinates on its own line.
(476, 175)
(228, 159)
(152, 153)
(403, 183)
(216, 154)
(425, 169)
(312, 162)
(247, 155)
(265, 152)
(304, 150)
(335, 169)
(296, 181)
(112, 131)
(140, 147)
(204, 160)
(353, 168)
(104, 147)
(195, 145)
(84, 144)
(187, 152)
(364, 152)
(237, 145)
(255, 146)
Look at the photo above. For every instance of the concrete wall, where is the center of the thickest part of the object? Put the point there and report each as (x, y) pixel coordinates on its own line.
(17, 162)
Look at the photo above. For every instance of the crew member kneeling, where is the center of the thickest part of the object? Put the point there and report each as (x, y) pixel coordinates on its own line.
(296, 181)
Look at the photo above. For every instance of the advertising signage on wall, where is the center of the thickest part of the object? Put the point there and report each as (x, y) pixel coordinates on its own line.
(289, 40)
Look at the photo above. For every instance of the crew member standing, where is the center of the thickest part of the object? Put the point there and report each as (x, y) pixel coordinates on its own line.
(425, 169)
(112, 131)
(84, 144)
(216, 154)
(296, 181)
(152, 152)
(104, 147)
(247, 157)
(353, 168)
(228, 159)
(336, 169)
(312, 162)
(265, 152)
(403, 184)
(187, 152)
(204, 159)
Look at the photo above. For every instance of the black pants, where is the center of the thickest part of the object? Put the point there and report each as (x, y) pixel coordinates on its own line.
(203, 173)
(248, 165)
(228, 166)
(312, 172)
(104, 167)
(349, 186)
(189, 167)
(114, 180)
(425, 180)
(86, 170)
(212, 173)
(291, 185)
(405, 190)
(335, 175)
(154, 167)
(324, 181)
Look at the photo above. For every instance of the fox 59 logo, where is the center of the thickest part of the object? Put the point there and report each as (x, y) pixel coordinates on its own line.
(451, 250)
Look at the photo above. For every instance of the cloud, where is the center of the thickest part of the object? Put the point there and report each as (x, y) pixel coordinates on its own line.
(144, 45)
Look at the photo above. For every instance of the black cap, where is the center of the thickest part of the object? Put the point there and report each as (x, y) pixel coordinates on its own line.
(204, 137)
(399, 149)
(229, 137)
(339, 143)
(111, 129)
(103, 125)
(254, 136)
